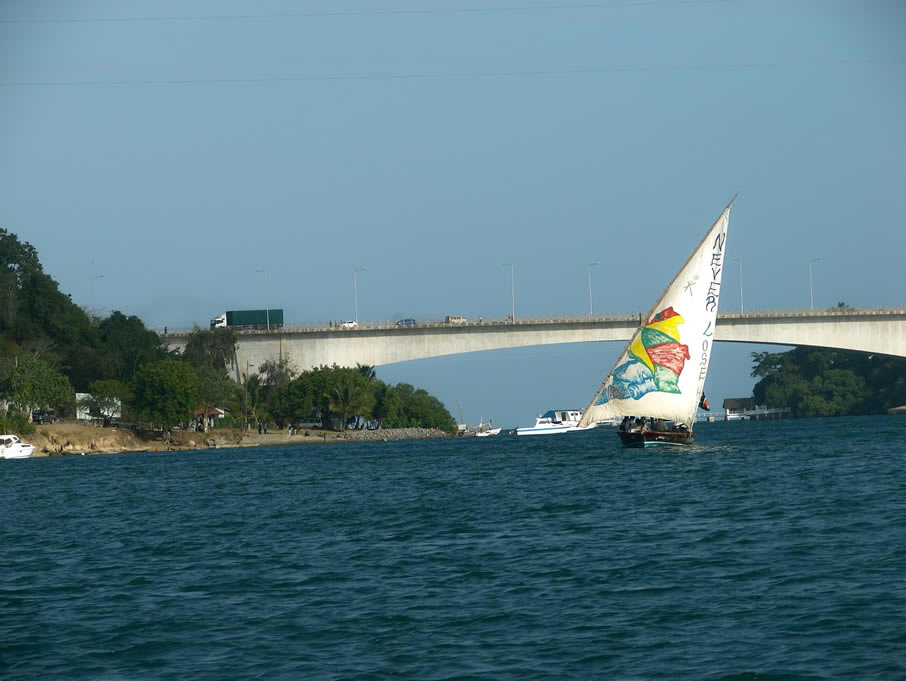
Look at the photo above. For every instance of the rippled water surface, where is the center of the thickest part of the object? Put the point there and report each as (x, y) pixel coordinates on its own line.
(766, 551)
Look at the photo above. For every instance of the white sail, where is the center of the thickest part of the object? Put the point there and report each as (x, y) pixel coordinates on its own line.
(661, 371)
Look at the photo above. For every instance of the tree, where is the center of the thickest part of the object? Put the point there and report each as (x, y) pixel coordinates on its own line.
(277, 372)
(387, 405)
(349, 397)
(415, 408)
(367, 371)
(31, 383)
(17, 260)
(210, 352)
(247, 400)
(825, 382)
(213, 347)
(214, 389)
(166, 392)
(127, 345)
(108, 397)
(292, 402)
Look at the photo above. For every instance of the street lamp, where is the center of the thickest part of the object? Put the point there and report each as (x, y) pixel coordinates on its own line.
(245, 402)
(742, 309)
(267, 311)
(512, 288)
(811, 297)
(355, 291)
(590, 308)
(93, 279)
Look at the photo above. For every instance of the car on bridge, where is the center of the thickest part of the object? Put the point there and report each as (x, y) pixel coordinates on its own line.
(406, 322)
(455, 319)
(349, 325)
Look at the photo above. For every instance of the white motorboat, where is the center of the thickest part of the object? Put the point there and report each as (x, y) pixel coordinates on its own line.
(11, 447)
(485, 430)
(555, 422)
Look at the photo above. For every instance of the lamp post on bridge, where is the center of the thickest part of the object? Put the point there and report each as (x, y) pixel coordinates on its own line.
(93, 279)
(512, 289)
(355, 291)
(591, 311)
(811, 297)
(267, 310)
(742, 309)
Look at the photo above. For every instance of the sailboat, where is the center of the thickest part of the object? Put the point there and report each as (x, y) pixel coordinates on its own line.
(658, 381)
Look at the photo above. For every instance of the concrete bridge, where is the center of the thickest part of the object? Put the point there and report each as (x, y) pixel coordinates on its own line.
(878, 331)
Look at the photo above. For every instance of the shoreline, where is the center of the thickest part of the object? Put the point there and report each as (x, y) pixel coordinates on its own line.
(68, 439)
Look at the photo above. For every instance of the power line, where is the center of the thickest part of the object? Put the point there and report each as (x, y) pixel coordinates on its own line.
(363, 13)
(460, 75)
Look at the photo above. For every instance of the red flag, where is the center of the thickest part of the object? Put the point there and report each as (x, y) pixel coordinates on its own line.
(703, 403)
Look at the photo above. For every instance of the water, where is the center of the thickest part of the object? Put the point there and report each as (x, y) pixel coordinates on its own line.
(767, 551)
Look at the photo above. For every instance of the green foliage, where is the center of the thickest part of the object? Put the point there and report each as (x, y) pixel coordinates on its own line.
(106, 357)
(166, 392)
(211, 347)
(418, 409)
(214, 387)
(367, 371)
(107, 397)
(349, 397)
(344, 397)
(387, 409)
(128, 345)
(210, 352)
(36, 317)
(30, 383)
(16, 422)
(247, 401)
(823, 382)
(277, 372)
(18, 260)
(294, 402)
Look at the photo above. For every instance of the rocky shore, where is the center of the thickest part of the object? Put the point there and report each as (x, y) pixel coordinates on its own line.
(65, 439)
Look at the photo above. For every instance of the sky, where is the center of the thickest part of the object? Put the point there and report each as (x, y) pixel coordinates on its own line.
(174, 160)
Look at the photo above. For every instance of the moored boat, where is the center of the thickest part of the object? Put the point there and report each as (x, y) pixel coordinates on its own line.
(11, 447)
(486, 429)
(651, 387)
(555, 422)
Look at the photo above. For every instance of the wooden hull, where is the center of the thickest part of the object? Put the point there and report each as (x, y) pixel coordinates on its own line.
(652, 438)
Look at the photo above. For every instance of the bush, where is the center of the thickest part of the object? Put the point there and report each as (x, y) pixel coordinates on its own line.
(16, 421)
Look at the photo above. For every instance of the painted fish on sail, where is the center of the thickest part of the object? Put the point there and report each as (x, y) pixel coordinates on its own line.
(657, 358)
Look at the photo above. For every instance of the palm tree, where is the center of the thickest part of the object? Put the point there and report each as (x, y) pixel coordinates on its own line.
(247, 400)
(366, 371)
(349, 400)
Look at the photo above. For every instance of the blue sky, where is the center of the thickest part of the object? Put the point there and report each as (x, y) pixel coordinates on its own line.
(175, 148)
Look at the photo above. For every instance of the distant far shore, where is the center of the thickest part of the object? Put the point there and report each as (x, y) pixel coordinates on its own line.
(70, 439)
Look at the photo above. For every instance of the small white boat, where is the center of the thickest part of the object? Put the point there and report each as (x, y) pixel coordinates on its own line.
(481, 430)
(485, 430)
(555, 422)
(11, 447)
